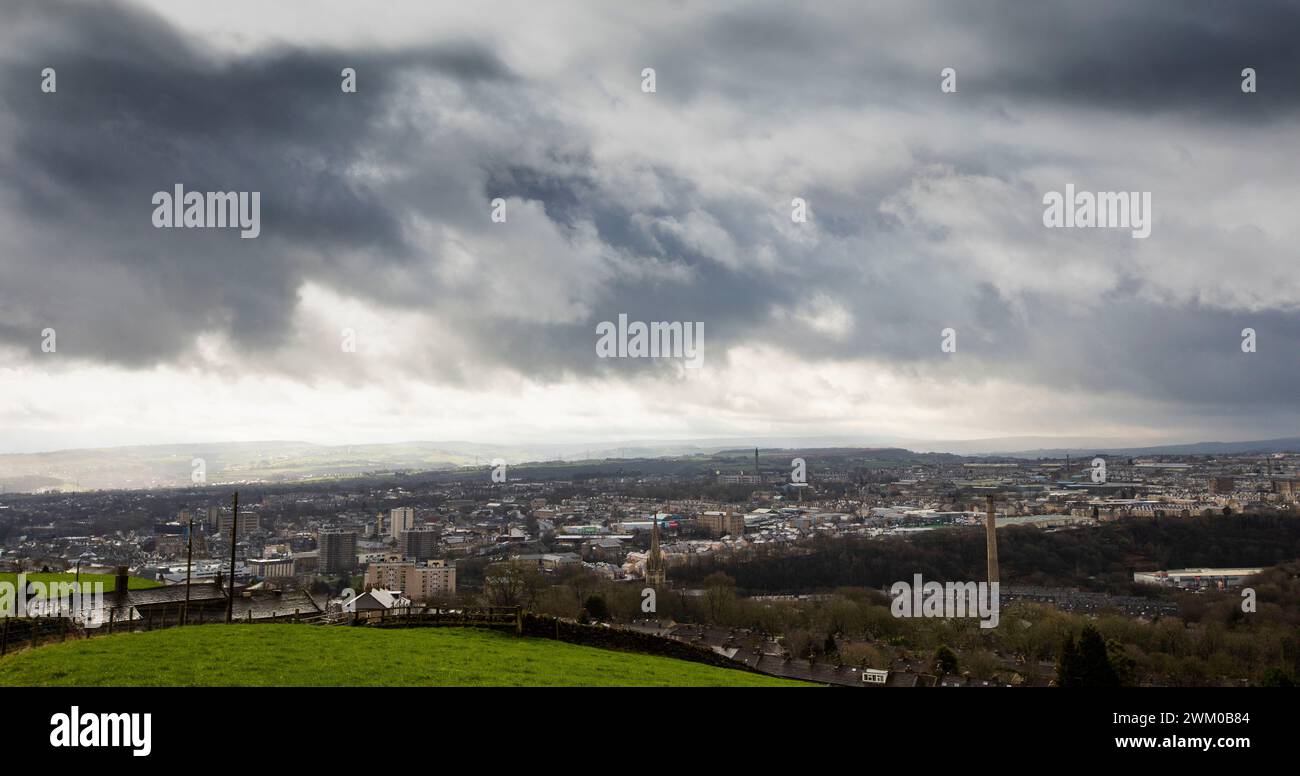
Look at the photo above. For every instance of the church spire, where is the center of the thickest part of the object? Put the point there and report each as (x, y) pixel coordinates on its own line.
(656, 573)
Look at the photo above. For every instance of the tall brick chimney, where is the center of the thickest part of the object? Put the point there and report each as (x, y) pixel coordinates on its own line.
(991, 534)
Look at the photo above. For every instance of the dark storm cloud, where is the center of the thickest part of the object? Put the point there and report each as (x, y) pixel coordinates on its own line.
(1110, 54)
(140, 108)
(365, 193)
(1142, 56)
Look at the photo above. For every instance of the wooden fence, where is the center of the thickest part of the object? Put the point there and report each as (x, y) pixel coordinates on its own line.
(17, 632)
(20, 632)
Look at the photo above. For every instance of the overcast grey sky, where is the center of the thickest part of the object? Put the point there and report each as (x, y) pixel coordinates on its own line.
(925, 212)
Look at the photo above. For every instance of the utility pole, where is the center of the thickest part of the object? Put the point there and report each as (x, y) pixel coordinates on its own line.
(189, 565)
(234, 532)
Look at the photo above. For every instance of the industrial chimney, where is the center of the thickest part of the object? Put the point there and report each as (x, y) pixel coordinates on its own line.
(991, 534)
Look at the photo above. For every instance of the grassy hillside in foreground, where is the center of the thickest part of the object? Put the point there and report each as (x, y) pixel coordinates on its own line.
(307, 655)
(110, 581)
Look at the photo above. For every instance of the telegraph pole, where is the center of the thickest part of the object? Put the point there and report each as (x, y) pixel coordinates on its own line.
(234, 531)
(189, 565)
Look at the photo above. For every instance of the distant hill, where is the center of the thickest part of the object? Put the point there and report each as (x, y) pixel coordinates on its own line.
(1264, 446)
(162, 466)
(323, 655)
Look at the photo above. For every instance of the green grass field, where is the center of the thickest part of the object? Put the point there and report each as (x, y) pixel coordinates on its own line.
(110, 581)
(316, 655)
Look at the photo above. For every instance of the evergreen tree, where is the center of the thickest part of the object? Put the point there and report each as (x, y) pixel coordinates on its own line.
(1067, 663)
(1085, 663)
(596, 608)
(945, 660)
(1125, 667)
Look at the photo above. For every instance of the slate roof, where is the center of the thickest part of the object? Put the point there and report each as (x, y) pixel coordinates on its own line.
(206, 597)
